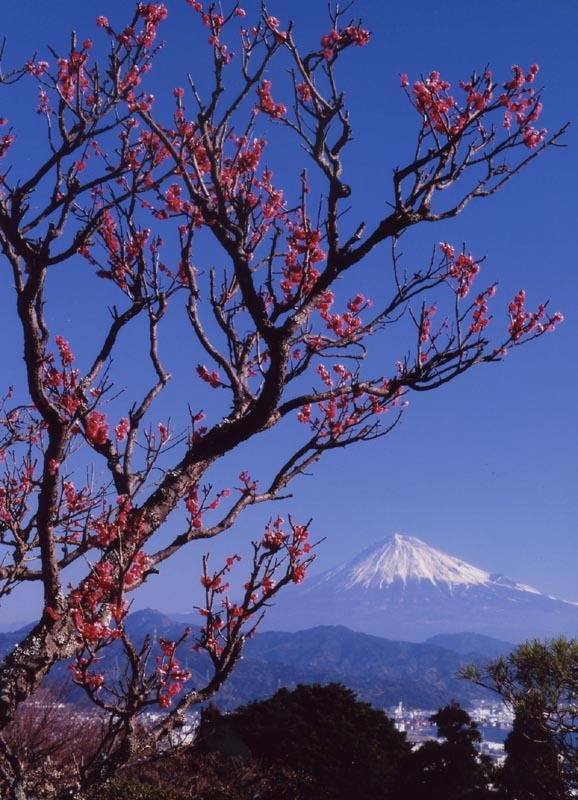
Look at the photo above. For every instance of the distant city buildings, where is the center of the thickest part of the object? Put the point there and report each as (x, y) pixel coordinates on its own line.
(494, 722)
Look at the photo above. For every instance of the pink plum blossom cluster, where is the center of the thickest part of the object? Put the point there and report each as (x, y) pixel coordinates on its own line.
(444, 115)
(171, 677)
(524, 323)
(266, 103)
(462, 269)
(521, 105)
(335, 40)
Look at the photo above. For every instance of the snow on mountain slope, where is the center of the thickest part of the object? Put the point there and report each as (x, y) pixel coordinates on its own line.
(407, 558)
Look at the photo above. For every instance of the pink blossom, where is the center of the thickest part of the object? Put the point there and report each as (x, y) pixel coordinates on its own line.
(122, 429)
(96, 428)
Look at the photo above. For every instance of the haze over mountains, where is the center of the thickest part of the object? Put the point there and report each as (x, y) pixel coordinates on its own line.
(400, 588)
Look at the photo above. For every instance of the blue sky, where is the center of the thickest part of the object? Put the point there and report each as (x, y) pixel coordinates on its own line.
(486, 467)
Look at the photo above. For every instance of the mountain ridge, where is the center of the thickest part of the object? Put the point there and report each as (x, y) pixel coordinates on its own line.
(381, 671)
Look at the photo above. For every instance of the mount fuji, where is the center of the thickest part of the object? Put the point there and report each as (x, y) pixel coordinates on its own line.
(400, 588)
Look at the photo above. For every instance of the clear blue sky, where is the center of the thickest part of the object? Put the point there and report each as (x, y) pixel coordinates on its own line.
(485, 468)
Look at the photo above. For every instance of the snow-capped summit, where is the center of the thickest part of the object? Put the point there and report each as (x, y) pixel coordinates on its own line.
(408, 558)
(402, 588)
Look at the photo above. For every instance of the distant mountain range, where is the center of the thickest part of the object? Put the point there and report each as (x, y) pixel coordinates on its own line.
(380, 671)
(401, 588)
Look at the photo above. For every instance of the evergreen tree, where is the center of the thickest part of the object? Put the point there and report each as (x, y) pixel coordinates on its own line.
(451, 769)
(346, 748)
(533, 769)
(539, 681)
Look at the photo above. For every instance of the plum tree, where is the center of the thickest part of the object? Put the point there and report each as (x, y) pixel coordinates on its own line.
(98, 486)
